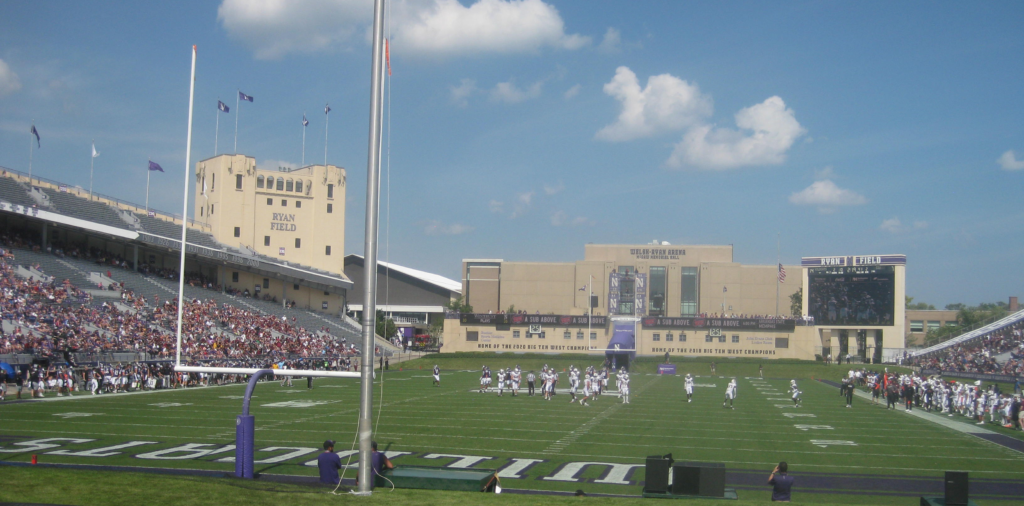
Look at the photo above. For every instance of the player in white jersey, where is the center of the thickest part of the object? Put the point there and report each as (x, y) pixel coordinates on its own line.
(483, 379)
(623, 380)
(548, 379)
(588, 386)
(689, 387)
(517, 378)
(574, 383)
(501, 382)
(730, 394)
(437, 376)
(793, 389)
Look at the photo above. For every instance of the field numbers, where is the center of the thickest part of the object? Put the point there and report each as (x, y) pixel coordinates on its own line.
(813, 427)
(825, 443)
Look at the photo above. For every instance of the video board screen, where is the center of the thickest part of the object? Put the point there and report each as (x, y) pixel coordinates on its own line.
(858, 295)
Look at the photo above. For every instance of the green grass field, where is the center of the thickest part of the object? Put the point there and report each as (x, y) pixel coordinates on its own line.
(538, 445)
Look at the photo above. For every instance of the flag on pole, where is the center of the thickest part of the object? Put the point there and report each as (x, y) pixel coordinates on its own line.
(305, 122)
(94, 152)
(224, 107)
(387, 55)
(724, 289)
(583, 288)
(243, 96)
(782, 274)
(327, 109)
(155, 166)
(35, 132)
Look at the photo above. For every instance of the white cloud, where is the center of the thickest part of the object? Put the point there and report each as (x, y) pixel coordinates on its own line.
(1009, 161)
(486, 26)
(509, 93)
(460, 94)
(496, 206)
(826, 172)
(435, 227)
(612, 42)
(667, 103)
(827, 196)
(522, 204)
(526, 197)
(554, 188)
(920, 224)
(274, 28)
(773, 129)
(9, 82)
(572, 92)
(561, 219)
(891, 225)
(276, 164)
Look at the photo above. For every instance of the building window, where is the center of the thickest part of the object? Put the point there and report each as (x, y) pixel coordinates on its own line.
(656, 337)
(657, 292)
(593, 336)
(735, 338)
(298, 185)
(668, 337)
(238, 181)
(579, 334)
(567, 334)
(266, 240)
(290, 186)
(682, 338)
(529, 335)
(933, 325)
(627, 289)
(782, 342)
(266, 282)
(298, 203)
(328, 251)
(284, 203)
(234, 277)
(295, 286)
(472, 335)
(201, 211)
(238, 231)
(330, 191)
(211, 209)
(330, 208)
(270, 201)
(213, 181)
(298, 242)
(708, 338)
(951, 324)
(543, 335)
(270, 182)
(688, 304)
(259, 181)
(515, 334)
(280, 184)
(917, 325)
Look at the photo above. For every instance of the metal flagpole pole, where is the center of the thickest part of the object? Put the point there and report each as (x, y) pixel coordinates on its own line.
(590, 310)
(30, 134)
(184, 206)
(370, 246)
(303, 138)
(217, 131)
(237, 95)
(327, 123)
(92, 161)
(148, 172)
(778, 265)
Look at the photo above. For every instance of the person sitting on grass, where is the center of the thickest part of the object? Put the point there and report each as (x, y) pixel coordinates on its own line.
(329, 464)
(781, 482)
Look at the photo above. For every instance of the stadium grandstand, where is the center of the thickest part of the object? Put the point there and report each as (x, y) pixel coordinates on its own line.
(994, 349)
(92, 276)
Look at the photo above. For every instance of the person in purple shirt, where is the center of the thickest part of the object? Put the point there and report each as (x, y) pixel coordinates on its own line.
(329, 464)
(781, 483)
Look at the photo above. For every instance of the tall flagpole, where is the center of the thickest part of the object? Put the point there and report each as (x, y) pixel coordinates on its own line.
(778, 265)
(30, 149)
(92, 161)
(237, 95)
(327, 122)
(148, 172)
(184, 205)
(590, 310)
(303, 139)
(370, 246)
(217, 131)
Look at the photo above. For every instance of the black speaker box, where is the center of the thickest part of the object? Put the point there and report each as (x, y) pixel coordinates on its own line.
(698, 478)
(656, 474)
(956, 488)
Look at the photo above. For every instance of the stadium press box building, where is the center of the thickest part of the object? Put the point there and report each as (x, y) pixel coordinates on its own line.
(690, 300)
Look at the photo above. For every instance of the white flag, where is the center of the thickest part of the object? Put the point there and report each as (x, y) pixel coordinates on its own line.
(204, 188)
(94, 152)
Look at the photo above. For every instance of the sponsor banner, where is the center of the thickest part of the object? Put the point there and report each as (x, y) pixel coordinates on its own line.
(853, 261)
(972, 375)
(533, 319)
(666, 368)
(659, 322)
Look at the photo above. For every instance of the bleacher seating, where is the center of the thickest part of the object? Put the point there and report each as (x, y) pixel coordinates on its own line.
(170, 230)
(52, 266)
(15, 192)
(79, 207)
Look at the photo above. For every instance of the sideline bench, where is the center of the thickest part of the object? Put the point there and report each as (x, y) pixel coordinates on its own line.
(433, 478)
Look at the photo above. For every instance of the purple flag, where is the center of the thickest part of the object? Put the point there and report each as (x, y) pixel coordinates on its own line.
(243, 96)
(35, 132)
(305, 122)
(155, 166)
(327, 109)
(223, 107)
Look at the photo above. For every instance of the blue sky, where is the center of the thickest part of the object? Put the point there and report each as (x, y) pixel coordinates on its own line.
(524, 130)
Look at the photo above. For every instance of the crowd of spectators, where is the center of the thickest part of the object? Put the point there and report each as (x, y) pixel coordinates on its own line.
(979, 355)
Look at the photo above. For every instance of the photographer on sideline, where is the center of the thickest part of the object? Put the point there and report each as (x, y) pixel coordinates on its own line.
(781, 483)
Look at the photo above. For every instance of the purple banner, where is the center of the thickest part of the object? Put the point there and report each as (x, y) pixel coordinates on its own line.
(666, 368)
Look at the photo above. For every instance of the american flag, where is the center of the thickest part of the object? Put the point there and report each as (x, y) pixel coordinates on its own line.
(782, 274)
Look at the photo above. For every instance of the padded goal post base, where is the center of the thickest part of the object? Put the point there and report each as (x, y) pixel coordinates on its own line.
(940, 501)
(432, 478)
(730, 494)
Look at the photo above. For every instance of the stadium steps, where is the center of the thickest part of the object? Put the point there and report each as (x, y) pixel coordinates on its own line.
(15, 192)
(169, 230)
(51, 266)
(976, 333)
(69, 204)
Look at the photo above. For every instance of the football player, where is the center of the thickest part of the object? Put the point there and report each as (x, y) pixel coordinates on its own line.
(623, 380)
(730, 394)
(437, 376)
(795, 391)
(689, 387)
(574, 383)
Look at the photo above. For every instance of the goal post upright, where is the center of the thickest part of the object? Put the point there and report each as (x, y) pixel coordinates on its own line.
(184, 206)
